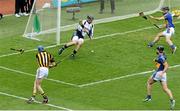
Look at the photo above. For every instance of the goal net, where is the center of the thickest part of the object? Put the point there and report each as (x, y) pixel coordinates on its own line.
(43, 21)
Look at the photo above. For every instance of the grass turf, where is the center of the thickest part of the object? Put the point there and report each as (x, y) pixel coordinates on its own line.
(113, 56)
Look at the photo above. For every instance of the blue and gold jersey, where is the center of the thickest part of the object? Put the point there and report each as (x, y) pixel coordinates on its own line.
(44, 59)
(169, 20)
(160, 60)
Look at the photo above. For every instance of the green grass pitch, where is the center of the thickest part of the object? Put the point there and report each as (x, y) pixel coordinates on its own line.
(93, 80)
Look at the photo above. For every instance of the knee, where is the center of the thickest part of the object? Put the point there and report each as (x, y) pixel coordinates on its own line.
(38, 83)
(168, 40)
(149, 83)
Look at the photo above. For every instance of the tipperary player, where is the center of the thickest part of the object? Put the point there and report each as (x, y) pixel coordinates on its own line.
(84, 28)
(45, 61)
(169, 29)
(160, 75)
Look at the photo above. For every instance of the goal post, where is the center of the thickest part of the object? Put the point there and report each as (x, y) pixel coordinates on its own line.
(54, 19)
(44, 21)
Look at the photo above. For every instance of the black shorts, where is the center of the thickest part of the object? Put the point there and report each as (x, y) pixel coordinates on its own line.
(77, 33)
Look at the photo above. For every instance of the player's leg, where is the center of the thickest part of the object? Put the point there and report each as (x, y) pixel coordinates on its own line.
(168, 33)
(156, 39)
(112, 2)
(40, 90)
(150, 83)
(32, 98)
(169, 93)
(101, 6)
(78, 46)
(72, 42)
(169, 41)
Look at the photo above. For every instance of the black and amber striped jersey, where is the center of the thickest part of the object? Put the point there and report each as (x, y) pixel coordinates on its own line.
(44, 59)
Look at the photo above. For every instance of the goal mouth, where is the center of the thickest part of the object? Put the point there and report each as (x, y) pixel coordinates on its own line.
(49, 16)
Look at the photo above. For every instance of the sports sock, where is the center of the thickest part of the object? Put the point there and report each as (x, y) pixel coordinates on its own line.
(173, 46)
(34, 95)
(74, 52)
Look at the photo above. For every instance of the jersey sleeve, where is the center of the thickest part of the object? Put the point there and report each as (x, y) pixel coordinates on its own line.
(81, 25)
(91, 32)
(166, 17)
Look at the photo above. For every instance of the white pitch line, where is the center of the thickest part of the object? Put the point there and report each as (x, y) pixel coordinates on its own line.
(122, 77)
(22, 98)
(52, 46)
(99, 37)
(29, 74)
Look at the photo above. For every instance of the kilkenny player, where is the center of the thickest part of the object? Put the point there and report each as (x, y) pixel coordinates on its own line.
(45, 61)
(84, 28)
(169, 29)
(160, 75)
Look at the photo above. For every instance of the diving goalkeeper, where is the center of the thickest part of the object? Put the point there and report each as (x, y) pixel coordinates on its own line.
(84, 28)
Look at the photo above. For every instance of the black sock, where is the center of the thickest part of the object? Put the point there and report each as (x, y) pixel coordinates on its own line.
(44, 95)
(34, 95)
(74, 52)
(65, 46)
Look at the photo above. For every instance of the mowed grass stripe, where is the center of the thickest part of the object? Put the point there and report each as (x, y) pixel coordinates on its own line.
(122, 77)
(95, 38)
(92, 83)
(29, 74)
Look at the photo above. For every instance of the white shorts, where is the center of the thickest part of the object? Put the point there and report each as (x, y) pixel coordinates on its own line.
(168, 32)
(156, 76)
(78, 40)
(42, 72)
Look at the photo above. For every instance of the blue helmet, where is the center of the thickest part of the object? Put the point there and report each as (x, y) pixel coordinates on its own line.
(40, 48)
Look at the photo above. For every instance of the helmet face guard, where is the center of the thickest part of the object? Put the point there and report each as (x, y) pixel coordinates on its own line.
(90, 18)
(160, 49)
(165, 10)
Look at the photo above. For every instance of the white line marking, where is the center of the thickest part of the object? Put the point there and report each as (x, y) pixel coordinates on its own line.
(122, 77)
(29, 74)
(99, 37)
(22, 98)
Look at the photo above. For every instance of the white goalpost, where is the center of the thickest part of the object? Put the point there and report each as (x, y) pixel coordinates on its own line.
(44, 19)
(58, 35)
(48, 19)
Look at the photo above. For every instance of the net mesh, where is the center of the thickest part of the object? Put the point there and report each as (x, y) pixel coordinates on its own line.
(47, 14)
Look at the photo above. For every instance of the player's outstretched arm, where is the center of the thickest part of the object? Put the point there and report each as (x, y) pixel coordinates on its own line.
(156, 18)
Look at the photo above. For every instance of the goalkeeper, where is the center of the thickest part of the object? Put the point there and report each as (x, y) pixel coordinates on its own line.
(45, 61)
(84, 28)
